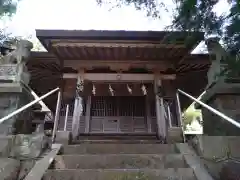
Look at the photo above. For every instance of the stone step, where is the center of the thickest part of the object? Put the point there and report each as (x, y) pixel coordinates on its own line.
(120, 149)
(118, 137)
(117, 141)
(120, 161)
(120, 174)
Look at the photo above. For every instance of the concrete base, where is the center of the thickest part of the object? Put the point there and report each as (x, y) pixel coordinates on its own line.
(9, 168)
(63, 137)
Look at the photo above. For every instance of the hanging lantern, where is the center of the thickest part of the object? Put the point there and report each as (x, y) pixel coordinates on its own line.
(144, 90)
(111, 90)
(129, 89)
(94, 90)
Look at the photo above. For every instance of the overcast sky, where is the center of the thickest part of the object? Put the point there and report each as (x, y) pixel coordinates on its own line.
(84, 14)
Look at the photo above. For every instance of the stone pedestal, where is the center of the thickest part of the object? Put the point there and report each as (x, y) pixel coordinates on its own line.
(216, 126)
(225, 98)
(12, 97)
(63, 137)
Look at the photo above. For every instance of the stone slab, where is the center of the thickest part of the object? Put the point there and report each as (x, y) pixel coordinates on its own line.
(9, 169)
(43, 164)
(26, 167)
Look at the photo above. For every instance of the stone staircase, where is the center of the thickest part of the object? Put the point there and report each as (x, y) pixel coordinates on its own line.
(118, 159)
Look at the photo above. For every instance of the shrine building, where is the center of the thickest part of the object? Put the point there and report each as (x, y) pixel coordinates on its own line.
(119, 82)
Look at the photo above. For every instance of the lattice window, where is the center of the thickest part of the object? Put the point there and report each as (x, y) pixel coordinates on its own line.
(118, 106)
(97, 108)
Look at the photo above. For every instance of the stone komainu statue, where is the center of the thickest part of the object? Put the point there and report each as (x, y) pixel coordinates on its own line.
(20, 55)
(19, 58)
(218, 57)
(228, 64)
(216, 50)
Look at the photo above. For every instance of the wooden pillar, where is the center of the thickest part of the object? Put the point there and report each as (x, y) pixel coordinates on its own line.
(161, 124)
(78, 106)
(88, 114)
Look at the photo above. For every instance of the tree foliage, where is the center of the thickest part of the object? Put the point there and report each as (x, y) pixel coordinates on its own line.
(199, 15)
(196, 15)
(7, 8)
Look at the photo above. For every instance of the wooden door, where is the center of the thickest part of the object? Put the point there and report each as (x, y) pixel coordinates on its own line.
(104, 117)
(114, 114)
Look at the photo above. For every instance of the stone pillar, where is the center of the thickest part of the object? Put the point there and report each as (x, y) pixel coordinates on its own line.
(78, 106)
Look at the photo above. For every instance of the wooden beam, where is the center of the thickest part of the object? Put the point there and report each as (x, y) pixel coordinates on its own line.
(112, 45)
(114, 77)
(90, 64)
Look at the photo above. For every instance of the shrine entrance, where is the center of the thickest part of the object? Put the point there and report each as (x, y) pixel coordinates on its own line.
(119, 114)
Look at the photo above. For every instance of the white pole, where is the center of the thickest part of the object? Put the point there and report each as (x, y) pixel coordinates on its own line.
(56, 116)
(27, 105)
(169, 116)
(66, 118)
(179, 110)
(212, 109)
(180, 115)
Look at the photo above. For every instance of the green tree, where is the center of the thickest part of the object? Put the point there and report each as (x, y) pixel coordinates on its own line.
(7, 8)
(197, 15)
(190, 114)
